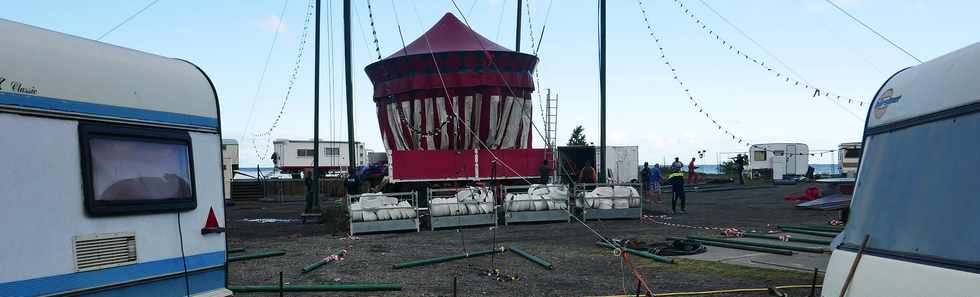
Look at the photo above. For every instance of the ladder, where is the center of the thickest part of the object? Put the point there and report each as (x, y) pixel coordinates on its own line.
(551, 120)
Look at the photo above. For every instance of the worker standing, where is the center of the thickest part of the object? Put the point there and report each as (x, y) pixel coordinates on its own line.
(739, 167)
(692, 177)
(677, 165)
(544, 172)
(676, 181)
(587, 175)
(655, 180)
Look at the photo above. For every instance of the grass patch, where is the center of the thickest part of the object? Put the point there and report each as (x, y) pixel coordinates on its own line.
(723, 270)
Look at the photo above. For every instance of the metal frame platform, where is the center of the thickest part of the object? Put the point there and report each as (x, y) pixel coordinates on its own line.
(468, 220)
(551, 215)
(588, 213)
(361, 227)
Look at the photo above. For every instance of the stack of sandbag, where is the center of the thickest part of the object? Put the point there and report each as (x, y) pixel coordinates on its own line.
(539, 197)
(378, 207)
(617, 197)
(470, 201)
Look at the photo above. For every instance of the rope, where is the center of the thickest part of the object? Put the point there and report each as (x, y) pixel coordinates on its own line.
(127, 19)
(265, 69)
(872, 30)
(726, 291)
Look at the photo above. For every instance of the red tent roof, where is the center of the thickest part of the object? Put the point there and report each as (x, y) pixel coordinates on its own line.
(448, 35)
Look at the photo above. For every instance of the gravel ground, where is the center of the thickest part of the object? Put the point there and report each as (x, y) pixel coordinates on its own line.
(581, 268)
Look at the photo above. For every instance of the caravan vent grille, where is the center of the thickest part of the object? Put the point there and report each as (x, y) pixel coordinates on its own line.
(104, 250)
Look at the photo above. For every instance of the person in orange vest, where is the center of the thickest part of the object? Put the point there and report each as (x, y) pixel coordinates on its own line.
(692, 177)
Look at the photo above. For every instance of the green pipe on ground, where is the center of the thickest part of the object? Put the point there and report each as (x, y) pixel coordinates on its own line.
(717, 189)
(314, 288)
(256, 256)
(775, 237)
(741, 247)
(532, 258)
(809, 232)
(765, 245)
(640, 253)
(232, 251)
(446, 258)
(321, 262)
(815, 228)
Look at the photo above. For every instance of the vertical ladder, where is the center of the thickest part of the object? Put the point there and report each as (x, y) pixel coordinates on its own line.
(551, 120)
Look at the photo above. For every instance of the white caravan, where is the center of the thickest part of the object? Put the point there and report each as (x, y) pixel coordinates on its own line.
(621, 163)
(790, 159)
(293, 156)
(848, 158)
(916, 195)
(229, 163)
(112, 171)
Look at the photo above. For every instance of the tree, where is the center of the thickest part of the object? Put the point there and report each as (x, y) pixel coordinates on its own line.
(578, 136)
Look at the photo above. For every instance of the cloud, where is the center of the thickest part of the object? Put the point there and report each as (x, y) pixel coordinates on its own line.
(273, 23)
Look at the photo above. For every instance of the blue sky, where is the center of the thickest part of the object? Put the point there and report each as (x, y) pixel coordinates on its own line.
(230, 40)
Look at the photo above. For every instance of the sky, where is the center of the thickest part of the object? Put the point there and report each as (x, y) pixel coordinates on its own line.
(230, 41)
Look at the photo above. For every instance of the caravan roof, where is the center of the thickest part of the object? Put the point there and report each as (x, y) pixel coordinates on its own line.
(928, 91)
(71, 76)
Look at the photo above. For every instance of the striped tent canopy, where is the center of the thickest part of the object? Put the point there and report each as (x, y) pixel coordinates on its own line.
(452, 88)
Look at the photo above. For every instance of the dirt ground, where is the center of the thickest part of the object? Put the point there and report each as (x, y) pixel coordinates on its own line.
(581, 268)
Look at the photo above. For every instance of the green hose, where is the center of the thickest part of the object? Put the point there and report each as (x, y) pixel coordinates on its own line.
(640, 253)
(741, 247)
(760, 244)
(774, 237)
(238, 250)
(444, 259)
(815, 228)
(809, 232)
(256, 256)
(314, 288)
(532, 258)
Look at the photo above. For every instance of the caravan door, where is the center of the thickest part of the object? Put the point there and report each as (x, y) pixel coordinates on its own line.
(791, 151)
(778, 162)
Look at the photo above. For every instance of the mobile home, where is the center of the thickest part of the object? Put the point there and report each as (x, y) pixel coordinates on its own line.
(916, 195)
(229, 163)
(784, 159)
(295, 155)
(848, 157)
(112, 184)
(621, 163)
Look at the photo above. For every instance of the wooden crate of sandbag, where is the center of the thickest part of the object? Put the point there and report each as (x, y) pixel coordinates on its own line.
(609, 201)
(461, 207)
(383, 212)
(535, 203)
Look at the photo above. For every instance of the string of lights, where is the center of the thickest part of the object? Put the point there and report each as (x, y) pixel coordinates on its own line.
(690, 97)
(789, 80)
(292, 81)
(377, 45)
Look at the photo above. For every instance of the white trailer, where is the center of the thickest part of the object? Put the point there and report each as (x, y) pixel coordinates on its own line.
(784, 159)
(296, 155)
(112, 166)
(622, 163)
(229, 163)
(848, 158)
(915, 198)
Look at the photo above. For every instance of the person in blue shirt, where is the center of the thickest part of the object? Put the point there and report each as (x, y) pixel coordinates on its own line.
(655, 180)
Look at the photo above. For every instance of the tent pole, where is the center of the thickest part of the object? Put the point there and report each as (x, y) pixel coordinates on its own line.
(351, 156)
(315, 204)
(602, 91)
(517, 43)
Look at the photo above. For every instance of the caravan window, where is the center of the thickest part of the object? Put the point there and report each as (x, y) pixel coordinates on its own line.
(759, 156)
(852, 153)
(132, 170)
(305, 152)
(917, 193)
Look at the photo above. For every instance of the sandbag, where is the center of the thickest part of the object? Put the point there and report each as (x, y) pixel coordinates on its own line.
(473, 207)
(439, 207)
(355, 212)
(538, 203)
(620, 203)
(369, 216)
(634, 202)
(383, 214)
(621, 191)
(454, 207)
(389, 200)
(408, 212)
(486, 207)
(394, 212)
(603, 192)
(604, 203)
(372, 202)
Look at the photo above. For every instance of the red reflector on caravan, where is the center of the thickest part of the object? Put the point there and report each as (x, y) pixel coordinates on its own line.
(211, 225)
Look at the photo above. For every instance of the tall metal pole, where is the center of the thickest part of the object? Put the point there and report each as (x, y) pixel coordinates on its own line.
(315, 204)
(602, 91)
(348, 75)
(517, 43)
